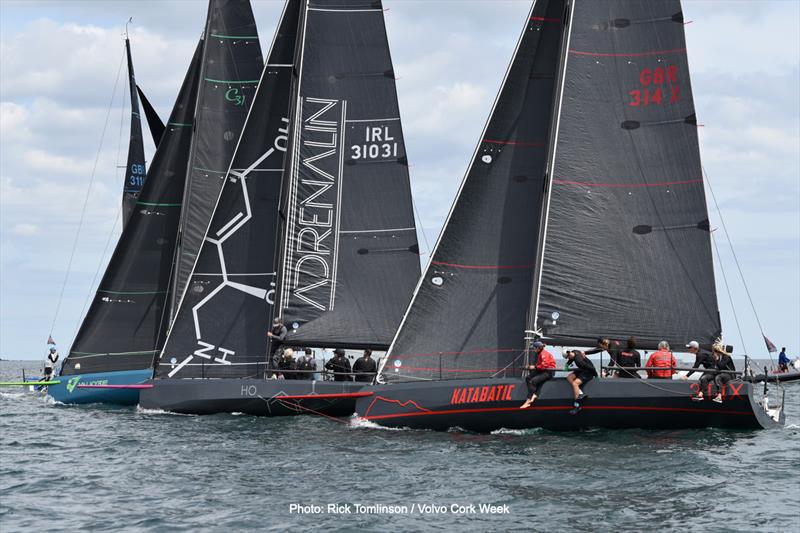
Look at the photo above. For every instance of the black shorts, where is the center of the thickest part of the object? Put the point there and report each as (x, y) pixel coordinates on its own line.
(584, 375)
(48, 371)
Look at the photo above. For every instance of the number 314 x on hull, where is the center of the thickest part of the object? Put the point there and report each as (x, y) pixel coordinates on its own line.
(492, 404)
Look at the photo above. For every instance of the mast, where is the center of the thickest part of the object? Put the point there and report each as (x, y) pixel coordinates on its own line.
(135, 171)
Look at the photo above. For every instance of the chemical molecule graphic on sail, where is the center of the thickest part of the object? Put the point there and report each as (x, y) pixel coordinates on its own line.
(206, 350)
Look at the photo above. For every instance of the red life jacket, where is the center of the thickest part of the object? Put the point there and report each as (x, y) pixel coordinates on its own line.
(661, 359)
(545, 361)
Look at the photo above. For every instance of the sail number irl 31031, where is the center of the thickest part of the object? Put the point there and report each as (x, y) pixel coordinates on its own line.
(379, 143)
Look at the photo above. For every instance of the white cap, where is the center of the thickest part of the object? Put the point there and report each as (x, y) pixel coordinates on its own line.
(693, 344)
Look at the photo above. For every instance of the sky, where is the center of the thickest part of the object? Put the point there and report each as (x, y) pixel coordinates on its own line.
(59, 62)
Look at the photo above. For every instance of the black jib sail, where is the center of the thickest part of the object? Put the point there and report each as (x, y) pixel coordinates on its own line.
(224, 314)
(135, 166)
(126, 322)
(626, 245)
(468, 316)
(153, 120)
(349, 257)
(230, 68)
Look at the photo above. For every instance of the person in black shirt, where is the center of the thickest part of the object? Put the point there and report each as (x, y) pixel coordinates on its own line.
(582, 375)
(629, 357)
(276, 336)
(605, 345)
(365, 367)
(287, 364)
(306, 365)
(723, 362)
(339, 365)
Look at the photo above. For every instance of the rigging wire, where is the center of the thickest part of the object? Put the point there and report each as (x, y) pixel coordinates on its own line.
(735, 259)
(92, 290)
(86, 199)
(730, 297)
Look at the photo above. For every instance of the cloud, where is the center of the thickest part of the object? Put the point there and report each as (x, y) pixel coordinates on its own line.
(59, 63)
(24, 229)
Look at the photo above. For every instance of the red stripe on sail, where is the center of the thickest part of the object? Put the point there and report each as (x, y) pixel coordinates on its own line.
(629, 54)
(545, 19)
(626, 185)
(481, 267)
(540, 144)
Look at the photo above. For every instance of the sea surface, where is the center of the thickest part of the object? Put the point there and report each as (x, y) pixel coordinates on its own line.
(100, 468)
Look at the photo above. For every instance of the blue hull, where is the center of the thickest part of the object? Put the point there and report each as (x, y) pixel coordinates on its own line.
(69, 392)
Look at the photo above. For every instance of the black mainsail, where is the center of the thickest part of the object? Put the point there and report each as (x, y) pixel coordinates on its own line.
(349, 257)
(230, 69)
(468, 314)
(126, 323)
(626, 247)
(226, 309)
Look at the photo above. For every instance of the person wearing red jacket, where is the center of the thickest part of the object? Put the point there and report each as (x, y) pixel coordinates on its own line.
(543, 370)
(662, 362)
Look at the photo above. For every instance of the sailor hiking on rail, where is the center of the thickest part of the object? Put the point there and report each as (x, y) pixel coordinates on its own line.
(542, 370)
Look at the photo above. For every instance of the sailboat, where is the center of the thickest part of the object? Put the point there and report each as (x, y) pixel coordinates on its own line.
(127, 323)
(582, 215)
(314, 224)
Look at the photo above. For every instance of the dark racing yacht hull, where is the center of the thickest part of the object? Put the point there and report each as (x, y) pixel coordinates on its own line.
(488, 405)
(261, 397)
(773, 377)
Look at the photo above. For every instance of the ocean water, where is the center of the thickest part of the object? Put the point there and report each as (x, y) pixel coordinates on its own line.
(108, 468)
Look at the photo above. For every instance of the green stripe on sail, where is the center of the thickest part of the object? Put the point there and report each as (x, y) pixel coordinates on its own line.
(131, 292)
(179, 124)
(212, 80)
(84, 355)
(209, 170)
(234, 36)
(156, 204)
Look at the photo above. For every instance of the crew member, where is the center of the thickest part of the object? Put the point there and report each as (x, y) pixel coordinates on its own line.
(365, 367)
(582, 375)
(783, 361)
(664, 361)
(276, 335)
(339, 365)
(306, 365)
(543, 369)
(629, 357)
(287, 364)
(50, 364)
(701, 358)
(724, 363)
(605, 345)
